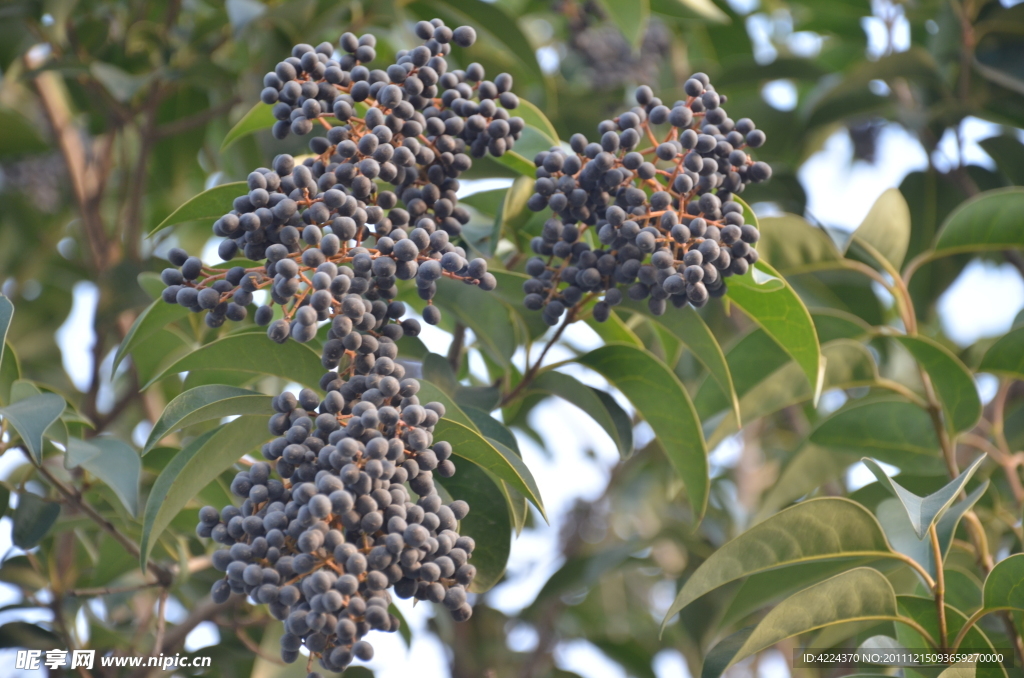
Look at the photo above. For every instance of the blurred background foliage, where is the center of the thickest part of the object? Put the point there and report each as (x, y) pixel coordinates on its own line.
(113, 113)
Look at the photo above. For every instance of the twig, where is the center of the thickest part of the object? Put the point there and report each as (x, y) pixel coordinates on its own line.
(532, 371)
(110, 590)
(161, 623)
(455, 350)
(940, 585)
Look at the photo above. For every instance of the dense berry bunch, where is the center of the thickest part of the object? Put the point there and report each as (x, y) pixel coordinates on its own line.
(322, 544)
(664, 216)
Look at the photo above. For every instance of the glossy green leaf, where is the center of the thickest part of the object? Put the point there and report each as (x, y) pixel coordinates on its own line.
(925, 511)
(513, 213)
(793, 245)
(860, 594)
(953, 382)
(489, 319)
(828, 528)
(154, 318)
(253, 353)
(534, 117)
(605, 412)
(203, 404)
(210, 204)
(32, 417)
(114, 462)
(922, 609)
(720, 657)
(686, 324)
(260, 116)
(517, 163)
(1006, 356)
(900, 531)
(1004, 586)
(888, 428)
(774, 306)
(630, 16)
(886, 228)
(660, 398)
(469, 444)
(33, 518)
(193, 468)
(989, 221)
(488, 521)
(614, 329)
(835, 324)
(10, 372)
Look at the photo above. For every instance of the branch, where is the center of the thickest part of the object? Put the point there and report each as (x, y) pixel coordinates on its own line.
(86, 181)
(163, 575)
(532, 372)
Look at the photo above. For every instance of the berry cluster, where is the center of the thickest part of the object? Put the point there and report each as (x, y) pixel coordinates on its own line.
(671, 201)
(322, 545)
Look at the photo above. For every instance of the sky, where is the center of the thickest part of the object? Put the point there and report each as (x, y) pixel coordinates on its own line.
(840, 192)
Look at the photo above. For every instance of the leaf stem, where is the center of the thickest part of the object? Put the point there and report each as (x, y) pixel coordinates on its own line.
(940, 585)
(528, 377)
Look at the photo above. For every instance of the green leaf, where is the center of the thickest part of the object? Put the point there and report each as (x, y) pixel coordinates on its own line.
(989, 221)
(203, 404)
(1006, 356)
(848, 364)
(24, 635)
(690, 328)
(488, 521)
(811, 467)
(1004, 586)
(114, 462)
(720, 657)
(517, 163)
(193, 468)
(923, 610)
(210, 204)
(605, 411)
(32, 417)
(10, 372)
(900, 531)
(835, 324)
(827, 528)
(1008, 152)
(18, 135)
(925, 511)
(793, 245)
(33, 518)
(888, 428)
(157, 316)
(490, 320)
(260, 116)
(615, 330)
(253, 353)
(886, 228)
(660, 398)
(469, 444)
(630, 16)
(513, 213)
(953, 382)
(779, 311)
(860, 594)
(535, 118)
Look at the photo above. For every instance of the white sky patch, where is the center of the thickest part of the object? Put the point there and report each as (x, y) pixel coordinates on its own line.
(982, 302)
(76, 338)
